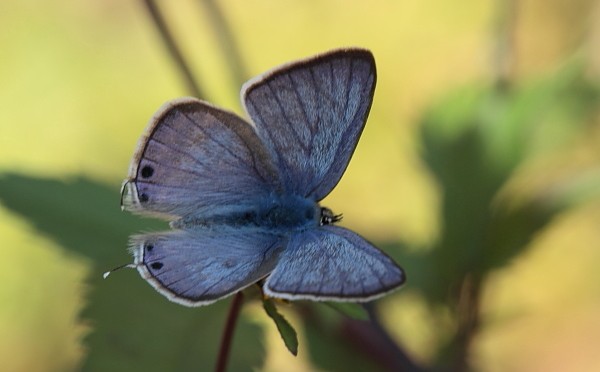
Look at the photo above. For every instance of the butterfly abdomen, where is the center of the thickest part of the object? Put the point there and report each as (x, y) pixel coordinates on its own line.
(289, 213)
(279, 213)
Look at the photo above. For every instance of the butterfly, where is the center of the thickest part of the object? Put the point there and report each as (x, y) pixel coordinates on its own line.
(242, 197)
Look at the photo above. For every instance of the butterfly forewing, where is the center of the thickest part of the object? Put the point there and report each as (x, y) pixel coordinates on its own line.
(193, 160)
(310, 115)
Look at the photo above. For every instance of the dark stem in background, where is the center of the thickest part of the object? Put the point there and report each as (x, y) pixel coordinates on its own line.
(397, 359)
(172, 47)
(468, 321)
(468, 304)
(234, 312)
(367, 338)
(504, 48)
(226, 41)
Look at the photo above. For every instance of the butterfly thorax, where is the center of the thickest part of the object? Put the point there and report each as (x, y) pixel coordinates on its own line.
(276, 213)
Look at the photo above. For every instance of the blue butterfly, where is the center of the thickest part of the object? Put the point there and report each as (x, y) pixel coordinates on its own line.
(243, 197)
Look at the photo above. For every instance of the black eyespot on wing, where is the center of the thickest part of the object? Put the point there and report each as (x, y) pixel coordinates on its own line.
(156, 265)
(144, 197)
(149, 247)
(147, 171)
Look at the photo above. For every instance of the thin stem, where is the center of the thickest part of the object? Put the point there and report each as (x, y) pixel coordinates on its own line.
(172, 47)
(398, 359)
(469, 312)
(367, 338)
(226, 41)
(505, 48)
(234, 312)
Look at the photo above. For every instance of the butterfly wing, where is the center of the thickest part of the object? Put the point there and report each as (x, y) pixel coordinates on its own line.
(198, 160)
(310, 115)
(331, 263)
(198, 267)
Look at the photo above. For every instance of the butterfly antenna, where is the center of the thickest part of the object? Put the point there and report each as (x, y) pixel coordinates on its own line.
(131, 266)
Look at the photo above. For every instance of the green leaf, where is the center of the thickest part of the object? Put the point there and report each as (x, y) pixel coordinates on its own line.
(287, 332)
(133, 327)
(474, 141)
(349, 309)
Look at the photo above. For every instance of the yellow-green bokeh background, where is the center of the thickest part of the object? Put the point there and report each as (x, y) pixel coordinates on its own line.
(80, 79)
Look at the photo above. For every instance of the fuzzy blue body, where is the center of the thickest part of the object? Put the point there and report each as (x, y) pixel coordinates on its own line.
(274, 214)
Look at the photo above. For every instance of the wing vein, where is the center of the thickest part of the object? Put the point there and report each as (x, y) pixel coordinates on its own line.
(209, 135)
(287, 119)
(337, 145)
(195, 159)
(276, 149)
(189, 171)
(302, 106)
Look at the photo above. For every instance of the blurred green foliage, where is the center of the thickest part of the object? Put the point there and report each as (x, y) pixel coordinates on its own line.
(473, 142)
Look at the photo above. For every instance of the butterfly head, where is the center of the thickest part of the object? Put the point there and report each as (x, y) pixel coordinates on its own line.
(328, 217)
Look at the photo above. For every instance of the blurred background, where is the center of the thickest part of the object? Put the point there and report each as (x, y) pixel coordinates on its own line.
(478, 171)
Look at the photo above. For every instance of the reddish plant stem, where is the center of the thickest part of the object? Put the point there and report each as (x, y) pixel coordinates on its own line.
(234, 312)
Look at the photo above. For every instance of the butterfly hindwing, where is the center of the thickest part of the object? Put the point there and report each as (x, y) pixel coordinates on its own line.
(200, 266)
(332, 263)
(310, 115)
(192, 161)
